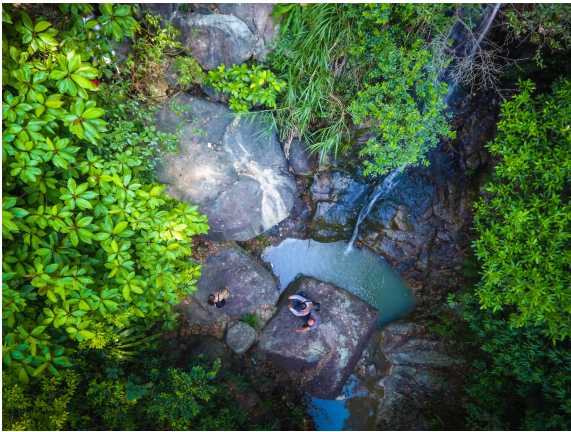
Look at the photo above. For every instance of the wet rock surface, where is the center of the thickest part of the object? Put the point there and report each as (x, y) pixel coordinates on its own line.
(298, 223)
(421, 225)
(241, 182)
(251, 287)
(320, 359)
(338, 198)
(420, 374)
(300, 159)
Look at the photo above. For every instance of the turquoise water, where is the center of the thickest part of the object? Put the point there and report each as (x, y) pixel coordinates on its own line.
(360, 271)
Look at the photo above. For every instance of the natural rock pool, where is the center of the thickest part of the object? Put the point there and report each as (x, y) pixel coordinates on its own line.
(360, 271)
(368, 276)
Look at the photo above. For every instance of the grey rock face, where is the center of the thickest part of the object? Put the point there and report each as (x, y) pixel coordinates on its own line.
(239, 180)
(300, 159)
(322, 359)
(297, 224)
(200, 8)
(240, 337)
(123, 49)
(257, 17)
(210, 347)
(339, 198)
(251, 286)
(221, 38)
(420, 366)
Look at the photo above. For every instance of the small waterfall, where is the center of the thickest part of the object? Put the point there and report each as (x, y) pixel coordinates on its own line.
(379, 191)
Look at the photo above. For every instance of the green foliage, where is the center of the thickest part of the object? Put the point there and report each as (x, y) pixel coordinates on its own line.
(189, 71)
(361, 65)
(142, 394)
(251, 320)
(246, 86)
(527, 222)
(547, 25)
(520, 309)
(89, 245)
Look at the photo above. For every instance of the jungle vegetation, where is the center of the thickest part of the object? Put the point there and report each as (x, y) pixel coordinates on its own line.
(95, 255)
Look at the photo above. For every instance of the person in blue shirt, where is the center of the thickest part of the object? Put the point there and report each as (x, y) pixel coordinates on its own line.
(304, 307)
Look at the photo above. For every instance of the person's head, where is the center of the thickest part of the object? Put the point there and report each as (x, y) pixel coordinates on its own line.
(302, 306)
(211, 299)
(311, 321)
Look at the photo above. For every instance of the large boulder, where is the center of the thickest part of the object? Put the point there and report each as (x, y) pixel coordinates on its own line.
(215, 39)
(257, 17)
(251, 287)
(235, 177)
(322, 359)
(339, 198)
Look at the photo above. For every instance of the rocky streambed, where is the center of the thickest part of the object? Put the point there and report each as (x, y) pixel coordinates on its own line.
(259, 192)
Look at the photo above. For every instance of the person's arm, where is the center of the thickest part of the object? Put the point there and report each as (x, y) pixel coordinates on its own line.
(300, 313)
(302, 330)
(298, 298)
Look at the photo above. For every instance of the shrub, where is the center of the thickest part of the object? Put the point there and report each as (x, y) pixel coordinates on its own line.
(100, 393)
(246, 85)
(521, 307)
(189, 71)
(88, 245)
(365, 66)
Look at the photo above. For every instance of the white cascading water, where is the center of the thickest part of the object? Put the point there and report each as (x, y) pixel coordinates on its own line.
(379, 191)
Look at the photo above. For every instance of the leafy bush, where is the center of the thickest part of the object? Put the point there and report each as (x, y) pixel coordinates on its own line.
(189, 71)
(365, 66)
(521, 307)
(101, 394)
(246, 85)
(545, 25)
(88, 245)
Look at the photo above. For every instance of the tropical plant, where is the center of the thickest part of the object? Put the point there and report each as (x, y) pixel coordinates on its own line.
(520, 308)
(101, 393)
(364, 66)
(251, 320)
(88, 245)
(246, 86)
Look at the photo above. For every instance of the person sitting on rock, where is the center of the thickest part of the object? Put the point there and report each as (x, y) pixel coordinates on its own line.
(218, 299)
(302, 307)
(312, 323)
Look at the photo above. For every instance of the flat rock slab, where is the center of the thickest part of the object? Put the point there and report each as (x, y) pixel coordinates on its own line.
(321, 359)
(235, 177)
(251, 286)
(240, 337)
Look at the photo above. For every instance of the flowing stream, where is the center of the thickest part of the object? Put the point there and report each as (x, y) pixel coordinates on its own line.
(379, 191)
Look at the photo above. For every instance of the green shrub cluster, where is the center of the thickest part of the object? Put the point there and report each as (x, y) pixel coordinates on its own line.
(521, 308)
(102, 394)
(89, 244)
(361, 66)
(246, 86)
